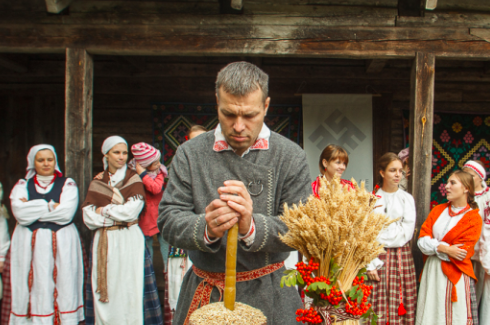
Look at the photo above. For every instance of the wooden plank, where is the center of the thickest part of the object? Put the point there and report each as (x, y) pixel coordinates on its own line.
(375, 66)
(466, 5)
(377, 3)
(157, 7)
(78, 125)
(255, 40)
(421, 122)
(470, 19)
(57, 6)
(12, 65)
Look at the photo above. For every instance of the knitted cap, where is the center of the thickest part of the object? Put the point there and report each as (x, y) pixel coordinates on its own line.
(477, 168)
(145, 154)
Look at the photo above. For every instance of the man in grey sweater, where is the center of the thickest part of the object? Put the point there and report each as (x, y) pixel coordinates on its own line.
(239, 173)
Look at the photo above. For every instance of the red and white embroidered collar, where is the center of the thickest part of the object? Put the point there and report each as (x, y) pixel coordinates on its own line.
(262, 142)
(485, 190)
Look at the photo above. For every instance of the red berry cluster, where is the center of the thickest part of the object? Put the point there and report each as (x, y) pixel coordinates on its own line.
(361, 308)
(306, 269)
(308, 316)
(335, 296)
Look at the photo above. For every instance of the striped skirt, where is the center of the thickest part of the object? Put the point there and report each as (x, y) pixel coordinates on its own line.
(398, 284)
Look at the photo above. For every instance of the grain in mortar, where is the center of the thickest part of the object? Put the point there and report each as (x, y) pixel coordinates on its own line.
(217, 314)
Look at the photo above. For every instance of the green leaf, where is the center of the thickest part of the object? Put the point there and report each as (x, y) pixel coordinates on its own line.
(300, 279)
(282, 281)
(359, 299)
(353, 291)
(322, 285)
(288, 281)
(361, 271)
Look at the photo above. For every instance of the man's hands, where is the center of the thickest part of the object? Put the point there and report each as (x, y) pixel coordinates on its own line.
(234, 205)
(453, 251)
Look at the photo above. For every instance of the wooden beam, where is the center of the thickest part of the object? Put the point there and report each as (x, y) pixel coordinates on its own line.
(12, 65)
(136, 62)
(293, 41)
(78, 125)
(375, 66)
(57, 6)
(421, 122)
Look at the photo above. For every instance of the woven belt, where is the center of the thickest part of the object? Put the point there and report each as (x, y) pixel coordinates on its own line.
(102, 257)
(210, 280)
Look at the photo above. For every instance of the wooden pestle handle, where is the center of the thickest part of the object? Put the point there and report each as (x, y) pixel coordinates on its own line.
(230, 273)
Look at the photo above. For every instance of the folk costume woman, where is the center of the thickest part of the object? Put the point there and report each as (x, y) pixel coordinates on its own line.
(122, 281)
(482, 198)
(447, 240)
(46, 264)
(392, 274)
(333, 161)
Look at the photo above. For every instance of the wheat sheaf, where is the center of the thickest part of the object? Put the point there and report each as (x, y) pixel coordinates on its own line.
(339, 225)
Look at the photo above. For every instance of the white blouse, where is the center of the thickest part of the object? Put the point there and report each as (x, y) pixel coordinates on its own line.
(441, 227)
(28, 212)
(4, 233)
(482, 198)
(399, 204)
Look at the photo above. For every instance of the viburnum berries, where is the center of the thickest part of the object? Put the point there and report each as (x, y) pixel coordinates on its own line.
(306, 269)
(308, 316)
(355, 308)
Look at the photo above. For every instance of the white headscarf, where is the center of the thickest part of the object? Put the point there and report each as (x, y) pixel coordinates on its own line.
(108, 144)
(31, 169)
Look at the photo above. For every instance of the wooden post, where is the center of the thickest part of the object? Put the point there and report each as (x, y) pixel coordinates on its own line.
(78, 125)
(421, 121)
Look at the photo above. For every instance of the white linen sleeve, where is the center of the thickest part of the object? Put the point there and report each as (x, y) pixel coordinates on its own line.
(4, 238)
(429, 245)
(375, 264)
(67, 207)
(26, 212)
(93, 220)
(126, 212)
(401, 232)
(485, 246)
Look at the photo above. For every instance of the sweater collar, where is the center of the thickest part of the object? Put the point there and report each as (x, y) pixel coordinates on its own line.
(262, 142)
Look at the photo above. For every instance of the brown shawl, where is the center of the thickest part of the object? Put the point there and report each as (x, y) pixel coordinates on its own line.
(101, 194)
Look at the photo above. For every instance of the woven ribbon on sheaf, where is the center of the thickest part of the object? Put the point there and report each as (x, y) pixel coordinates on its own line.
(331, 315)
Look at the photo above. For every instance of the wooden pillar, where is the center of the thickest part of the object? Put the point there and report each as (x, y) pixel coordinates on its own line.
(78, 125)
(382, 108)
(421, 122)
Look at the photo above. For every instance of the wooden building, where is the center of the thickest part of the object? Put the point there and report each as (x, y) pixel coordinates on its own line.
(73, 72)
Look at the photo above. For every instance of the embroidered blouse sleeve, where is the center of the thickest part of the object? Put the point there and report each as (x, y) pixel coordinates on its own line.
(4, 237)
(94, 220)
(67, 207)
(126, 212)
(485, 246)
(26, 212)
(401, 232)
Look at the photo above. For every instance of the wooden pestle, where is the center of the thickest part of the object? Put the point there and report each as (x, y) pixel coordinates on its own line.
(230, 272)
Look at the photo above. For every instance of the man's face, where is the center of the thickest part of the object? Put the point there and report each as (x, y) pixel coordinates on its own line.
(241, 118)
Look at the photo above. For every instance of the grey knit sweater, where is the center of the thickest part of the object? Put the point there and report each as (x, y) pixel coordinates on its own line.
(197, 172)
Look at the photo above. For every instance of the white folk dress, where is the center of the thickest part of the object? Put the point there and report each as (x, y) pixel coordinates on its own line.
(125, 263)
(177, 268)
(4, 239)
(434, 303)
(69, 262)
(483, 200)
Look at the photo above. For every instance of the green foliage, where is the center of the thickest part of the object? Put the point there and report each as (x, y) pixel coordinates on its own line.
(292, 278)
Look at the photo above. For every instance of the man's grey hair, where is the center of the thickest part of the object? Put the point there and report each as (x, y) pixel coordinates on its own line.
(241, 79)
